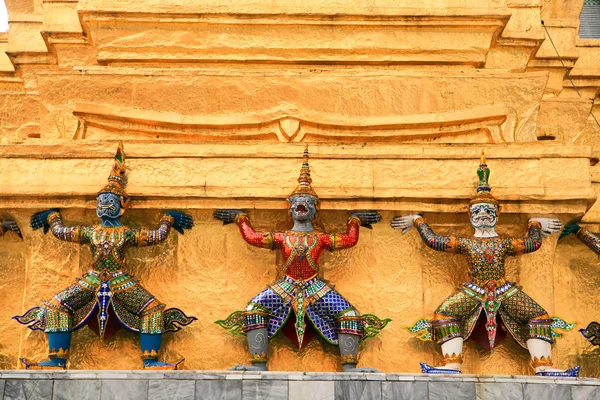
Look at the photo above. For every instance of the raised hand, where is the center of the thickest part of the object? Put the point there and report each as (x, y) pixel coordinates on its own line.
(40, 219)
(227, 216)
(549, 225)
(570, 227)
(12, 226)
(182, 221)
(367, 218)
(405, 223)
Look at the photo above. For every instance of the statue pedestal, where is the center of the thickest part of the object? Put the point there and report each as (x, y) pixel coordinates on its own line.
(209, 385)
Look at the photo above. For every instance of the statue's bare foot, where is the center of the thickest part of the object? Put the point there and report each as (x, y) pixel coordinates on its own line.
(362, 369)
(241, 367)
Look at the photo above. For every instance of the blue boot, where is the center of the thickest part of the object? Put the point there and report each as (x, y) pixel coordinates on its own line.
(59, 344)
(150, 344)
(427, 369)
(568, 373)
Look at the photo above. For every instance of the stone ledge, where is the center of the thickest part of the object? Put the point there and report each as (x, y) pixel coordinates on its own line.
(157, 385)
(66, 149)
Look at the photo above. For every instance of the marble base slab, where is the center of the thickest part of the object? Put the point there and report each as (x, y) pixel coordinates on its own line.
(234, 385)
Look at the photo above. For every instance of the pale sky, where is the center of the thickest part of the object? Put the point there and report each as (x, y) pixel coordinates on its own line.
(3, 17)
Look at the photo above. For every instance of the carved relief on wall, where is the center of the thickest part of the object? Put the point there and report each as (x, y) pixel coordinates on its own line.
(286, 123)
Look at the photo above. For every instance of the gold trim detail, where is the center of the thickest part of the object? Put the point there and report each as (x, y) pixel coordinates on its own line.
(419, 221)
(53, 217)
(59, 354)
(354, 218)
(259, 357)
(240, 216)
(453, 359)
(348, 359)
(168, 219)
(542, 362)
(149, 355)
(268, 241)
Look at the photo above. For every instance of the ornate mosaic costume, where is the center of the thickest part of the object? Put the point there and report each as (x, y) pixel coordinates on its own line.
(488, 291)
(301, 289)
(301, 296)
(106, 297)
(488, 306)
(106, 289)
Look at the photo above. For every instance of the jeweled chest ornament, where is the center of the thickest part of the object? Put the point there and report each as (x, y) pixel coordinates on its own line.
(299, 245)
(109, 241)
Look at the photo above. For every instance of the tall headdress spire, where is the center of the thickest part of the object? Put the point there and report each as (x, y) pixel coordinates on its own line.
(304, 187)
(484, 194)
(117, 179)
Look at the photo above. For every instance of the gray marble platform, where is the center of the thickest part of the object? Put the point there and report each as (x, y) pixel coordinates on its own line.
(232, 385)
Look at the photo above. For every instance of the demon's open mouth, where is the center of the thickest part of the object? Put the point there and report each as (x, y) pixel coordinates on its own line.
(106, 207)
(301, 209)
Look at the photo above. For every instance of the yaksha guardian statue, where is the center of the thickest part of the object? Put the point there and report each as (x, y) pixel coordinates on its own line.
(302, 297)
(107, 296)
(488, 295)
(592, 332)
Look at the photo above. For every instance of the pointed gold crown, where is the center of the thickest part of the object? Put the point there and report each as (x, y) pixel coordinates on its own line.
(117, 178)
(304, 187)
(484, 190)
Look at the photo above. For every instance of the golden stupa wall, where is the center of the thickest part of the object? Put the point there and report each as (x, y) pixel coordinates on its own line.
(214, 103)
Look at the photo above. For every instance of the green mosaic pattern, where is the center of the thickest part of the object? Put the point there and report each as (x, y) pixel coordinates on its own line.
(422, 328)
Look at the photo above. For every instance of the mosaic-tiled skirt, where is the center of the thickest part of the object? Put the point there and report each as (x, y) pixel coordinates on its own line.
(516, 310)
(324, 307)
(129, 302)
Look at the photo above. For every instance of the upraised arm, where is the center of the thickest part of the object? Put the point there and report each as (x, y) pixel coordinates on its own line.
(531, 242)
(339, 241)
(592, 241)
(536, 228)
(51, 220)
(264, 240)
(588, 238)
(151, 237)
(448, 244)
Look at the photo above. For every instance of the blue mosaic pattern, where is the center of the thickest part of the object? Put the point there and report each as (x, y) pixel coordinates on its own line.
(104, 296)
(322, 314)
(279, 310)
